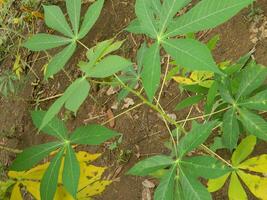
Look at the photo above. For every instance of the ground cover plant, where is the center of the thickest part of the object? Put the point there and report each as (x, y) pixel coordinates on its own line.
(233, 93)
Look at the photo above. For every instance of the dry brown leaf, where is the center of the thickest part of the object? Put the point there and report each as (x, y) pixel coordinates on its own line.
(111, 118)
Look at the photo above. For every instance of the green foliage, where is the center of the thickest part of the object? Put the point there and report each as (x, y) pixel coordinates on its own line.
(184, 171)
(241, 94)
(91, 134)
(55, 19)
(158, 21)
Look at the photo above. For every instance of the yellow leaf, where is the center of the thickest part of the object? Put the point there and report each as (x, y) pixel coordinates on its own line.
(15, 194)
(33, 187)
(90, 182)
(83, 156)
(17, 67)
(255, 164)
(243, 150)
(236, 191)
(16, 175)
(256, 184)
(62, 194)
(183, 80)
(199, 76)
(89, 174)
(216, 184)
(35, 173)
(93, 189)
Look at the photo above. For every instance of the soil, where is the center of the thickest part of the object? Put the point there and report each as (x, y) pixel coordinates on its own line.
(144, 134)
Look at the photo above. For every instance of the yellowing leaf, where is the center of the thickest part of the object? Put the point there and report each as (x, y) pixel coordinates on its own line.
(203, 79)
(256, 184)
(35, 173)
(183, 80)
(16, 195)
(83, 156)
(93, 189)
(90, 182)
(62, 194)
(216, 184)
(17, 67)
(255, 164)
(32, 187)
(244, 149)
(236, 191)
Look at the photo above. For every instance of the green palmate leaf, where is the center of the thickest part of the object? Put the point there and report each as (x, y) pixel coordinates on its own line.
(212, 43)
(204, 166)
(71, 172)
(168, 10)
(31, 156)
(49, 181)
(243, 150)
(189, 102)
(150, 165)
(55, 19)
(257, 102)
(92, 135)
(206, 14)
(67, 96)
(42, 41)
(107, 67)
(192, 189)
(156, 7)
(78, 97)
(145, 15)
(211, 96)
(230, 129)
(198, 135)
(135, 27)
(191, 54)
(251, 78)
(254, 123)
(141, 56)
(60, 60)
(216, 184)
(74, 10)
(236, 191)
(90, 18)
(151, 71)
(55, 127)
(165, 190)
(225, 90)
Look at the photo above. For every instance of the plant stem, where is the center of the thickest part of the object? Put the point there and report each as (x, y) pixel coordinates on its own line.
(126, 111)
(216, 155)
(164, 80)
(82, 44)
(200, 117)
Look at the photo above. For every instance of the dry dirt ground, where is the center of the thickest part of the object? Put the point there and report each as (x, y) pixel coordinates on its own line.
(143, 132)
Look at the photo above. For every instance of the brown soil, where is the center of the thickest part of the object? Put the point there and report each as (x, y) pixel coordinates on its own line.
(143, 132)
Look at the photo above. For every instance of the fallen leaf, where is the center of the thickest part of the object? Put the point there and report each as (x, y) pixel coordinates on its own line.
(111, 118)
(128, 102)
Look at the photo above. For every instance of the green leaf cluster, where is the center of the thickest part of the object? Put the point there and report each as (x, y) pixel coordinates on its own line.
(158, 20)
(181, 174)
(70, 35)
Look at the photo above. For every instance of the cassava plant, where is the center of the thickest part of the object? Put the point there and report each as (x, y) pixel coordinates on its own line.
(235, 89)
(64, 166)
